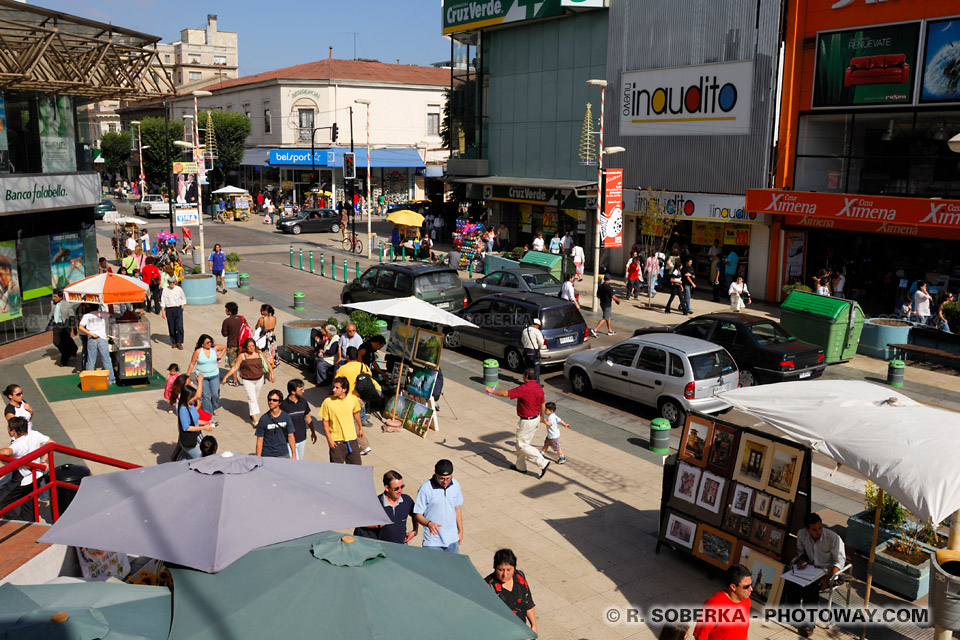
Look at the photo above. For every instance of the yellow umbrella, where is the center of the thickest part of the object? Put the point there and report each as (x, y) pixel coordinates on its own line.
(406, 217)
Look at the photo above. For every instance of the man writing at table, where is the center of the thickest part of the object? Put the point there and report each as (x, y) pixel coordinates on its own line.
(821, 548)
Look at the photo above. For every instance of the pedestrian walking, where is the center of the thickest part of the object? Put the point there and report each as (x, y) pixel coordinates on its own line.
(351, 371)
(567, 290)
(503, 238)
(395, 241)
(730, 265)
(93, 324)
(837, 282)
(169, 394)
(398, 506)
(607, 298)
(556, 245)
(633, 277)
(274, 432)
(552, 441)
(676, 288)
(61, 324)
(651, 268)
(511, 586)
(253, 369)
(438, 510)
(144, 241)
(23, 441)
(688, 276)
(16, 405)
(265, 334)
(230, 329)
(727, 613)
(538, 242)
(299, 411)
(566, 242)
(821, 283)
(205, 362)
(578, 260)
(533, 344)
(188, 419)
(739, 295)
(941, 320)
(531, 410)
(217, 260)
(172, 302)
(151, 275)
(341, 423)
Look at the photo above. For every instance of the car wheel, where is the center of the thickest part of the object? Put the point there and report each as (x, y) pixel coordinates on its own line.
(335, 228)
(451, 339)
(748, 378)
(346, 299)
(580, 383)
(296, 229)
(514, 359)
(671, 410)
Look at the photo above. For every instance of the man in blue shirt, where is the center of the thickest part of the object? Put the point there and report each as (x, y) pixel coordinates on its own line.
(217, 260)
(732, 260)
(398, 507)
(437, 510)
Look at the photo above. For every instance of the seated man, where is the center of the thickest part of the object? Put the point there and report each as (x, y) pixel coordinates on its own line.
(25, 441)
(821, 548)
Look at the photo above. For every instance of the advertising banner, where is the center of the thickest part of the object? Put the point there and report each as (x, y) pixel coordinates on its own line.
(186, 215)
(704, 233)
(4, 153)
(941, 62)
(611, 223)
(66, 259)
(57, 139)
(464, 15)
(866, 66)
(694, 206)
(794, 256)
(184, 167)
(10, 303)
(711, 99)
(186, 189)
(20, 193)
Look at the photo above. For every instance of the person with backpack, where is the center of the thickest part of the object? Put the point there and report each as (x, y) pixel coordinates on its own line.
(358, 375)
(231, 329)
(252, 368)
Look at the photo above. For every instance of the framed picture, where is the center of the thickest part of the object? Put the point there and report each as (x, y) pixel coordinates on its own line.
(742, 500)
(694, 443)
(779, 511)
(731, 522)
(746, 524)
(710, 496)
(402, 340)
(685, 486)
(753, 461)
(761, 504)
(722, 452)
(775, 540)
(784, 474)
(395, 407)
(765, 572)
(680, 530)
(428, 347)
(715, 546)
(417, 418)
(422, 381)
(760, 533)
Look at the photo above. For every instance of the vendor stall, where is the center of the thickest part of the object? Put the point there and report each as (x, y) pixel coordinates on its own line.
(130, 349)
(124, 228)
(466, 240)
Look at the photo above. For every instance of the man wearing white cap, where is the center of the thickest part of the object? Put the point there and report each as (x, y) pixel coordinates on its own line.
(533, 343)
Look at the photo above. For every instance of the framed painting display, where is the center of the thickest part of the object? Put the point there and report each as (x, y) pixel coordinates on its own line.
(731, 522)
(741, 500)
(402, 340)
(428, 347)
(753, 461)
(417, 418)
(722, 450)
(746, 524)
(422, 381)
(715, 546)
(784, 472)
(760, 533)
(761, 504)
(695, 441)
(779, 511)
(710, 495)
(396, 407)
(685, 487)
(681, 530)
(765, 572)
(775, 540)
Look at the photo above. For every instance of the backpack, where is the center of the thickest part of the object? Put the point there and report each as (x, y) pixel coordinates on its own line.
(245, 331)
(367, 390)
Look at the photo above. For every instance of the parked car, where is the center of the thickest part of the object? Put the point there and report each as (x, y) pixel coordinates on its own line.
(436, 284)
(764, 351)
(151, 205)
(310, 220)
(673, 373)
(501, 318)
(101, 209)
(513, 281)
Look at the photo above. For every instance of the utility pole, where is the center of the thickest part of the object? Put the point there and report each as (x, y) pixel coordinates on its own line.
(167, 160)
(353, 210)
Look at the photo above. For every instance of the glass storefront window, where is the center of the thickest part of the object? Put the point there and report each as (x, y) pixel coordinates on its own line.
(824, 136)
(40, 134)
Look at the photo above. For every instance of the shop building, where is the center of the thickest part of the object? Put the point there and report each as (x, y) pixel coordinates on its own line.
(48, 185)
(865, 180)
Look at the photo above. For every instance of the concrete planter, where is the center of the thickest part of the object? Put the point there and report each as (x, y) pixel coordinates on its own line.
(297, 333)
(860, 532)
(200, 288)
(879, 332)
(902, 578)
(230, 279)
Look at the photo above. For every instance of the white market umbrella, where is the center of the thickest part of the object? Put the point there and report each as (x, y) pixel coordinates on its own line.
(228, 190)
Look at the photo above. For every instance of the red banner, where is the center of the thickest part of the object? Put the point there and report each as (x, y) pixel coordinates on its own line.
(611, 224)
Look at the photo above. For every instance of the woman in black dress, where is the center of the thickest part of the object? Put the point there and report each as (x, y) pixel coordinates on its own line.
(512, 587)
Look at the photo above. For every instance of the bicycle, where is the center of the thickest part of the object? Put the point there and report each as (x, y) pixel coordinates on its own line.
(352, 244)
(222, 216)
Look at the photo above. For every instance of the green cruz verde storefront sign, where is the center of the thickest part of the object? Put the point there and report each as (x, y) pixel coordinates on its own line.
(464, 15)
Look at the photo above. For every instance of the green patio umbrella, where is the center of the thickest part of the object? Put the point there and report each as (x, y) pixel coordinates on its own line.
(334, 586)
(84, 611)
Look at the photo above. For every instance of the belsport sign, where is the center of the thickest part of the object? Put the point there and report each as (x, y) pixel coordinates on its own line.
(711, 99)
(299, 157)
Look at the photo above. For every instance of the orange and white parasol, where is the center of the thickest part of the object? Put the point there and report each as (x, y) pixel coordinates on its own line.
(106, 288)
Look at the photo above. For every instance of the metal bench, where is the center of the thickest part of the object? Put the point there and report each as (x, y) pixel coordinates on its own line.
(298, 355)
(903, 349)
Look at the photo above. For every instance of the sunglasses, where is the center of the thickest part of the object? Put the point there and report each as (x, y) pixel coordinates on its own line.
(273, 399)
(18, 393)
(398, 488)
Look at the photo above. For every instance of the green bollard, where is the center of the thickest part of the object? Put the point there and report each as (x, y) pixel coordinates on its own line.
(301, 258)
(470, 269)
(291, 256)
(486, 269)
(392, 258)
(321, 265)
(381, 252)
(358, 269)
(311, 261)
(403, 254)
(333, 268)
(344, 269)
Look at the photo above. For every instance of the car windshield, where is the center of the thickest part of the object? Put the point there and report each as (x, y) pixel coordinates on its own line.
(769, 333)
(540, 280)
(437, 281)
(712, 365)
(561, 317)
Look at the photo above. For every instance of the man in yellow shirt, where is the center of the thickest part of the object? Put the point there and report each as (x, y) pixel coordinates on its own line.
(341, 423)
(353, 368)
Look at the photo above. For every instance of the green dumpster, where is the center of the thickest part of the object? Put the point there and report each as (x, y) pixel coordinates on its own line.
(552, 263)
(832, 323)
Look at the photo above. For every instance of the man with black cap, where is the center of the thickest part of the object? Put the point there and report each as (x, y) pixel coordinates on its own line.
(437, 510)
(531, 409)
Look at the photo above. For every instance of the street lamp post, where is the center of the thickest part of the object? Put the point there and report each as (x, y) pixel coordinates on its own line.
(198, 152)
(369, 232)
(141, 181)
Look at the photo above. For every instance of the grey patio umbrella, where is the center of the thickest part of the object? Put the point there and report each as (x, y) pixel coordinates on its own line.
(206, 513)
(334, 586)
(85, 611)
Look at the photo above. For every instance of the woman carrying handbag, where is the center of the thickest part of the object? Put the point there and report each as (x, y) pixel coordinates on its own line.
(252, 367)
(190, 425)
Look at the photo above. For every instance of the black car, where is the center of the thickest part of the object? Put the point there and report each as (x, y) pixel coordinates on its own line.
(310, 220)
(763, 350)
(513, 281)
(101, 209)
(436, 284)
(501, 319)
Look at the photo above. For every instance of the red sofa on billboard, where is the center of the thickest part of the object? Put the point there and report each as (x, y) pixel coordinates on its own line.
(877, 70)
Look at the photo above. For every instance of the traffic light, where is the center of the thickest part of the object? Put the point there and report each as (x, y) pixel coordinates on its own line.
(334, 132)
(349, 169)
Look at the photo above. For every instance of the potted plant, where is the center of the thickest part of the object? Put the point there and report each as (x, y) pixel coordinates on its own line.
(860, 525)
(230, 275)
(902, 564)
(798, 286)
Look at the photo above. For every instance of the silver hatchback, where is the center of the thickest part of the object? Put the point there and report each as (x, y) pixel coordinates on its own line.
(674, 373)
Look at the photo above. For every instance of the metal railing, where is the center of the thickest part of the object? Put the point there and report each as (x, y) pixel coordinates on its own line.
(15, 464)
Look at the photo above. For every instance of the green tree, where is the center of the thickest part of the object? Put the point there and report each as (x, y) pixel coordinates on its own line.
(460, 117)
(115, 148)
(158, 159)
(230, 131)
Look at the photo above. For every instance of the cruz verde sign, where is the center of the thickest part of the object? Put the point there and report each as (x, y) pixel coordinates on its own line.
(465, 15)
(19, 193)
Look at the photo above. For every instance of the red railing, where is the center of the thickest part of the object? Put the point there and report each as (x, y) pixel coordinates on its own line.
(14, 464)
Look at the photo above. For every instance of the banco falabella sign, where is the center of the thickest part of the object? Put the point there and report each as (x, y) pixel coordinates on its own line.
(712, 99)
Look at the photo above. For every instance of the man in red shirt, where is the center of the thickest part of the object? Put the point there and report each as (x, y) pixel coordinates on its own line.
(531, 411)
(151, 275)
(726, 614)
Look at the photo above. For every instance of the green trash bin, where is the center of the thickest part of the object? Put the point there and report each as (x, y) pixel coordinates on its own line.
(299, 300)
(243, 280)
(491, 373)
(382, 329)
(832, 323)
(895, 373)
(660, 436)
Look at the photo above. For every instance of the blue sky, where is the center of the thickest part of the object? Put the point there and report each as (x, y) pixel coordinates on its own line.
(280, 33)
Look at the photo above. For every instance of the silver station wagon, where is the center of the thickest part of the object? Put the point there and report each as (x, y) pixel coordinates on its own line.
(673, 373)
